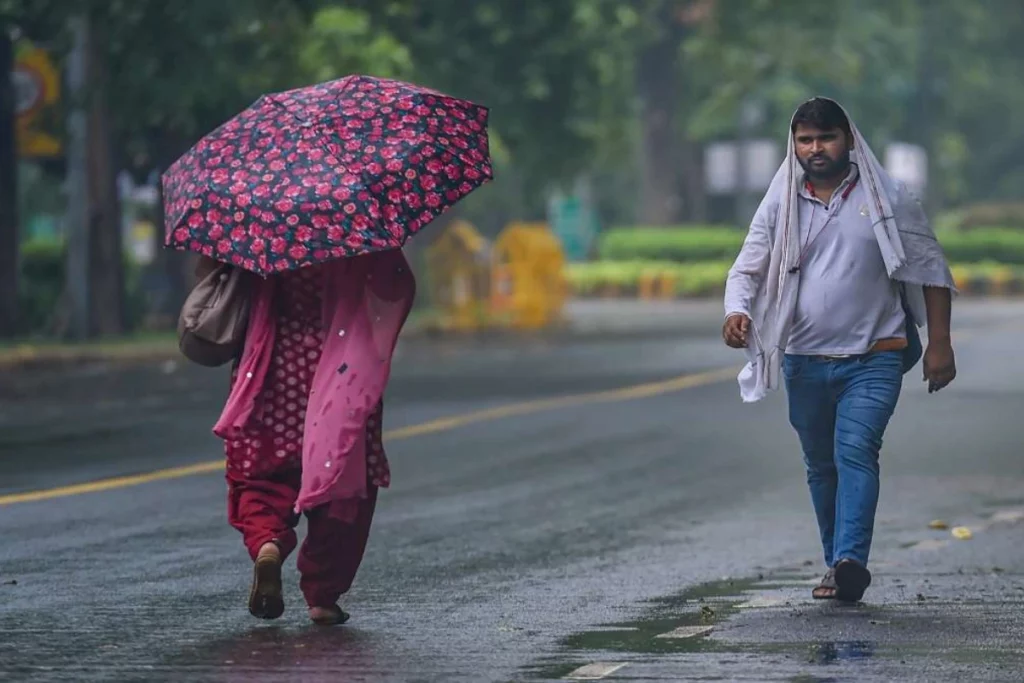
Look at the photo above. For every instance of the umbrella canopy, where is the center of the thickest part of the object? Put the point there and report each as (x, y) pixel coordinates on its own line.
(329, 171)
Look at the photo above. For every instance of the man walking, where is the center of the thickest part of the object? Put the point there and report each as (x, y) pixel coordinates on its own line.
(838, 270)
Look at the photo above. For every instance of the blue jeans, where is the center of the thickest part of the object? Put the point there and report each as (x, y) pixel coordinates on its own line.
(840, 409)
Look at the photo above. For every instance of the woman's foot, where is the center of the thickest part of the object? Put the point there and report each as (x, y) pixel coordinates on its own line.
(826, 590)
(328, 616)
(265, 597)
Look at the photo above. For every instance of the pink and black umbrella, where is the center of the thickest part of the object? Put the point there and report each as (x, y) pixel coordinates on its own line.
(329, 171)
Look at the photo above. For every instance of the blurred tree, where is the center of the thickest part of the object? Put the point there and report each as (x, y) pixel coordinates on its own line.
(167, 73)
(8, 191)
(934, 72)
(526, 60)
(969, 99)
(630, 89)
(341, 41)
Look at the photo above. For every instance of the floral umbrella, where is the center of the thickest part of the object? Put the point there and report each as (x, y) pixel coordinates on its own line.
(333, 170)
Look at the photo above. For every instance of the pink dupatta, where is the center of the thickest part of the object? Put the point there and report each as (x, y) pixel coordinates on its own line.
(366, 302)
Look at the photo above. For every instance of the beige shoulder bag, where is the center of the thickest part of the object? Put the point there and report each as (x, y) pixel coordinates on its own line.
(213, 320)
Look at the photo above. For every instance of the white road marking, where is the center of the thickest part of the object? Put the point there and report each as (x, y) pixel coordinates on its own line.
(687, 632)
(595, 671)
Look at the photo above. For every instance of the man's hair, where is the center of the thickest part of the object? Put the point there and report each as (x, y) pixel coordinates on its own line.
(822, 114)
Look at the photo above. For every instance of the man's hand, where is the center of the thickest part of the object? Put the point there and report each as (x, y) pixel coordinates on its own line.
(734, 332)
(939, 365)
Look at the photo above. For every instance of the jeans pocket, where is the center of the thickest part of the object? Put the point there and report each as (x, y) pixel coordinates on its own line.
(792, 366)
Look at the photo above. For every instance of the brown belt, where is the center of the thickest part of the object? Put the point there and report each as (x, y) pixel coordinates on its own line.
(890, 344)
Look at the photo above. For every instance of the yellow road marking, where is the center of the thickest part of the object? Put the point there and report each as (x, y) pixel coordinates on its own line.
(113, 483)
(528, 407)
(432, 427)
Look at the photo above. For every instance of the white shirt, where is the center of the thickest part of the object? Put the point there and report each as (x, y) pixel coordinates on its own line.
(846, 300)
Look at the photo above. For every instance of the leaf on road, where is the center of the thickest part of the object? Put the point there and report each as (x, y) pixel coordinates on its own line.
(962, 533)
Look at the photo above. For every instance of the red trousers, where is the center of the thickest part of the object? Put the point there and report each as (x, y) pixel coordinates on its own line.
(263, 510)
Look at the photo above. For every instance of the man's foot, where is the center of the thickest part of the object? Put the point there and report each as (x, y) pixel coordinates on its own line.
(826, 590)
(328, 616)
(852, 579)
(265, 597)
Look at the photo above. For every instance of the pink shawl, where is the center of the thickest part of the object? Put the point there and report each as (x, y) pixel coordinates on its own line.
(366, 302)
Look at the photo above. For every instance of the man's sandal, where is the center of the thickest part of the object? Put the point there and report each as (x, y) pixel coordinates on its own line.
(852, 579)
(826, 590)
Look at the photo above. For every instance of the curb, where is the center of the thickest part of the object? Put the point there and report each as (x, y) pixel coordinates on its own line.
(28, 357)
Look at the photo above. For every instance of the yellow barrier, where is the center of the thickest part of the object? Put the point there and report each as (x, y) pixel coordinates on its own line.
(529, 289)
(458, 268)
(1001, 281)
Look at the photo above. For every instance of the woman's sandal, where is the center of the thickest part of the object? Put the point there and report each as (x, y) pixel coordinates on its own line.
(266, 600)
(852, 579)
(826, 590)
(328, 616)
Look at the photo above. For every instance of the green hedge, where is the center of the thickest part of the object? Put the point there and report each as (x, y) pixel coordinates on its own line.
(708, 277)
(690, 279)
(41, 287)
(679, 244)
(683, 244)
(999, 245)
(986, 214)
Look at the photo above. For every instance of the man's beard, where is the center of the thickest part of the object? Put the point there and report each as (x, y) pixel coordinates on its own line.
(835, 168)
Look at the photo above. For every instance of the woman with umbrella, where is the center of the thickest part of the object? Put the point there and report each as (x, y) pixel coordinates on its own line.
(314, 191)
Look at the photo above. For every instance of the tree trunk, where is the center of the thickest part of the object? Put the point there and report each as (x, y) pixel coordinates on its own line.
(656, 82)
(8, 193)
(691, 172)
(671, 166)
(77, 240)
(177, 267)
(106, 254)
(920, 126)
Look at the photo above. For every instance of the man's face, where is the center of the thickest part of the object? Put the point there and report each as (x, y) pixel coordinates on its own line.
(823, 154)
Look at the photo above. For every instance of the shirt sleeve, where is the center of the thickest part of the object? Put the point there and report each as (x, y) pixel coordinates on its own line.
(751, 264)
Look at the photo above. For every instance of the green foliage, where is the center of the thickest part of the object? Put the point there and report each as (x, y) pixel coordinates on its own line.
(560, 77)
(675, 244)
(1009, 214)
(41, 288)
(999, 245)
(687, 279)
(545, 73)
(689, 244)
(342, 41)
(41, 284)
(705, 278)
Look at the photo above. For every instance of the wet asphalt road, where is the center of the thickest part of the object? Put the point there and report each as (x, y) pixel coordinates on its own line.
(525, 547)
